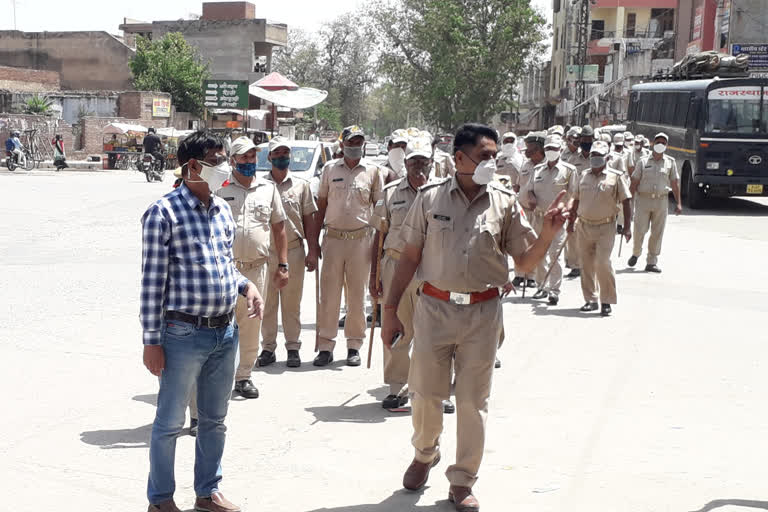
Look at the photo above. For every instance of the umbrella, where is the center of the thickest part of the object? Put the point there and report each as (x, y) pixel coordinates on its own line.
(278, 90)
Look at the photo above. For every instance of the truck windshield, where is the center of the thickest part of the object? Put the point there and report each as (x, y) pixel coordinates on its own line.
(736, 110)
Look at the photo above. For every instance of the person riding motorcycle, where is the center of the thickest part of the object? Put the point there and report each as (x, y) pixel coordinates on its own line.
(16, 149)
(152, 145)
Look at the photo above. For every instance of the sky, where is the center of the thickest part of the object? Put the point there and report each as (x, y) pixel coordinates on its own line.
(55, 15)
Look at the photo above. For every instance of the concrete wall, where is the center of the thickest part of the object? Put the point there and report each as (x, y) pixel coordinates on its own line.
(45, 126)
(85, 60)
(29, 80)
(228, 10)
(748, 22)
(138, 105)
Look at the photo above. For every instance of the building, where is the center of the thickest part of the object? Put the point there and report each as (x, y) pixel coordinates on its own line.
(533, 111)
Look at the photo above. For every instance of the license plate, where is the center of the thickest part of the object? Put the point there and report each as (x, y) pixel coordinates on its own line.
(754, 189)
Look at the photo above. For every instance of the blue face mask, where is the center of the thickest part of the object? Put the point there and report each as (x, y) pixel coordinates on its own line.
(282, 162)
(246, 169)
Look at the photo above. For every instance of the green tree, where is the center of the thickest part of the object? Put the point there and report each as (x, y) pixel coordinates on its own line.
(39, 105)
(460, 59)
(171, 65)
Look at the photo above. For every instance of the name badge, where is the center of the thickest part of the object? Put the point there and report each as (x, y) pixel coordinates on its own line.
(444, 218)
(337, 179)
(228, 198)
(398, 202)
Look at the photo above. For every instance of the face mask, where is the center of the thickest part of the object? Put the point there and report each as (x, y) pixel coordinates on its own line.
(397, 159)
(586, 147)
(282, 162)
(596, 161)
(659, 148)
(215, 175)
(484, 172)
(552, 155)
(353, 152)
(247, 169)
(508, 149)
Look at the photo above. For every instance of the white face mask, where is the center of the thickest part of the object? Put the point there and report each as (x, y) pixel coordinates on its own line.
(508, 149)
(552, 155)
(215, 175)
(659, 148)
(484, 172)
(397, 159)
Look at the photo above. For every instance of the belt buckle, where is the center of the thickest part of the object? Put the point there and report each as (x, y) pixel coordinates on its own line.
(461, 299)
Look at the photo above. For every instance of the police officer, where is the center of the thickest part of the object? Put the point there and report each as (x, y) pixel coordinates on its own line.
(571, 144)
(638, 152)
(457, 233)
(398, 198)
(549, 179)
(510, 161)
(259, 215)
(595, 203)
(580, 160)
(652, 180)
(395, 164)
(349, 188)
(300, 208)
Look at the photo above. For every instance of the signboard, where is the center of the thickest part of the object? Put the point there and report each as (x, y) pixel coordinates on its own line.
(161, 107)
(590, 73)
(743, 92)
(226, 94)
(758, 56)
(698, 22)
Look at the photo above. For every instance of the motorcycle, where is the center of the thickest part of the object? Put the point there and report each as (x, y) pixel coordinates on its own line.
(151, 167)
(12, 162)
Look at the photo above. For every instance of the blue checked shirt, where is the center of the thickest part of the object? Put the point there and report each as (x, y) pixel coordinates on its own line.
(186, 260)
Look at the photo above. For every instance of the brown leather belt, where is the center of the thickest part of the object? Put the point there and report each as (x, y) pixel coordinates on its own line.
(347, 235)
(248, 265)
(460, 298)
(598, 222)
(653, 196)
(201, 321)
(395, 255)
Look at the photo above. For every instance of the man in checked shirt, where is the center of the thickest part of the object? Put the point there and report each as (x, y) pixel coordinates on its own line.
(189, 288)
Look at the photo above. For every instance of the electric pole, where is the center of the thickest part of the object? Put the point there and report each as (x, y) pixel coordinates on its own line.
(582, 32)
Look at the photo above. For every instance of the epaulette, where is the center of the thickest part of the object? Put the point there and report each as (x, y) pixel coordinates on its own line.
(299, 178)
(566, 164)
(614, 171)
(500, 188)
(393, 184)
(439, 181)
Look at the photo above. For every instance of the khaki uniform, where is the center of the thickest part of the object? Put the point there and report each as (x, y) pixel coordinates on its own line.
(654, 179)
(567, 154)
(464, 246)
(598, 198)
(255, 210)
(298, 203)
(443, 165)
(510, 166)
(521, 179)
(634, 156)
(351, 195)
(546, 184)
(572, 252)
(398, 198)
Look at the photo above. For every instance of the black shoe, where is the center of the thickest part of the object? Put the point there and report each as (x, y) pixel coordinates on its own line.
(653, 268)
(193, 427)
(353, 357)
(324, 358)
(606, 310)
(589, 306)
(394, 401)
(294, 361)
(517, 282)
(448, 407)
(342, 320)
(619, 230)
(573, 273)
(266, 358)
(246, 389)
(541, 294)
(632, 261)
(553, 299)
(530, 283)
(497, 364)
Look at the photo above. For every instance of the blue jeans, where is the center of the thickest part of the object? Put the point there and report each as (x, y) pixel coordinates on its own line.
(208, 357)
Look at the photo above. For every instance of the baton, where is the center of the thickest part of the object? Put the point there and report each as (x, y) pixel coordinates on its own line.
(559, 252)
(317, 305)
(380, 243)
(621, 241)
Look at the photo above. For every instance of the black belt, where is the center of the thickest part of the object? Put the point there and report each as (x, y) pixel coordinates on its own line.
(201, 321)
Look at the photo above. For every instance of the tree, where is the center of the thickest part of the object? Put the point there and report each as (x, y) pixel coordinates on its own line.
(171, 65)
(40, 105)
(299, 59)
(460, 59)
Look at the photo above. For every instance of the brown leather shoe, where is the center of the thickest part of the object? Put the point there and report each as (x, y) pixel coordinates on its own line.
(463, 499)
(417, 474)
(166, 506)
(216, 502)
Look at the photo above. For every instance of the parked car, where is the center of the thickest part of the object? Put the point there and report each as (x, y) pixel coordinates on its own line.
(371, 149)
(307, 160)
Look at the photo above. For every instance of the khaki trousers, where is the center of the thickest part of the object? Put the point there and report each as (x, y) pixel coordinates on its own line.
(529, 216)
(649, 213)
(287, 300)
(249, 327)
(555, 279)
(346, 265)
(466, 336)
(397, 362)
(572, 253)
(596, 243)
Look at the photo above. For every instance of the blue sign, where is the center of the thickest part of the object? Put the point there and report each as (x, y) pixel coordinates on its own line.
(758, 55)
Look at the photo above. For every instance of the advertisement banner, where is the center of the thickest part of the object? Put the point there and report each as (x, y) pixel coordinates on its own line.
(226, 94)
(161, 107)
(758, 57)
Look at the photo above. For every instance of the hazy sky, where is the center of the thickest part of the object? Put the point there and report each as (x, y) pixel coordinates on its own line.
(58, 15)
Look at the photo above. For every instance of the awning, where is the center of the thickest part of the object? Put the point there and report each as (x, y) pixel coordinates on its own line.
(173, 132)
(123, 128)
(303, 97)
(276, 82)
(253, 114)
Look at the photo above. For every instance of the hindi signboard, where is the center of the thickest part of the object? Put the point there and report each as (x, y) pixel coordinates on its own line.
(591, 72)
(161, 107)
(226, 94)
(758, 57)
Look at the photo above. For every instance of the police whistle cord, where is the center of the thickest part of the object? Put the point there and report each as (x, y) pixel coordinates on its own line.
(557, 258)
(380, 245)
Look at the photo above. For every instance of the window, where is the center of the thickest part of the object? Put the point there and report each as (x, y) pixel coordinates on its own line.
(598, 29)
(665, 19)
(682, 103)
(668, 108)
(734, 110)
(556, 39)
(631, 22)
(654, 112)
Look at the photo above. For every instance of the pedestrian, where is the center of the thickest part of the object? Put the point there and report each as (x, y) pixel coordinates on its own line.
(259, 218)
(59, 155)
(549, 179)
(595, 202)
(301, 224)
(189, 287)
(510, 161)
(457, 235)
(654, 177)
(349, 189)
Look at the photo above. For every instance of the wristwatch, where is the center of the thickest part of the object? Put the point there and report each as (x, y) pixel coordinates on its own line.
(282, 266)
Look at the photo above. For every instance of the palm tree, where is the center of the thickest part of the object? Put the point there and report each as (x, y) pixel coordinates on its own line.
(40, 105)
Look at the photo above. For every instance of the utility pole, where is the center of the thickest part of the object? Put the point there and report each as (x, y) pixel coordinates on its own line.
(14, 15)
(582, 32)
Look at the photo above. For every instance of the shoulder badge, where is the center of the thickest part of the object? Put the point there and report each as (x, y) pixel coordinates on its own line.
(393, 184)
(435, 183)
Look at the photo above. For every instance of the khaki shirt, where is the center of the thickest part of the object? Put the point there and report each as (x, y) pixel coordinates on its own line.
(599, 196)
(548, 182)
(524, 176)
(255, 209)
(443, 164)
(464, 244)
(398, 198)
(567, 154)
(351, 193)
(655, 177)
(580, 162)
(509, 166)
(635, 156)
(298, 202)
(617, 161)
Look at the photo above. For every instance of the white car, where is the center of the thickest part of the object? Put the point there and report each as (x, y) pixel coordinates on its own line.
(307, 160)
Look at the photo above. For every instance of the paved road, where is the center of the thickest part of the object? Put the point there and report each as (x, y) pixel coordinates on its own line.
(659, 408)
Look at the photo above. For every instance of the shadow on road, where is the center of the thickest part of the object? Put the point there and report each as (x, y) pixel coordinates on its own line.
(371, 412)
(542, 310)
(120, 438)
(734, 503)
(400, 501)
(730, 207)
(147, 399)
(279, 367)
